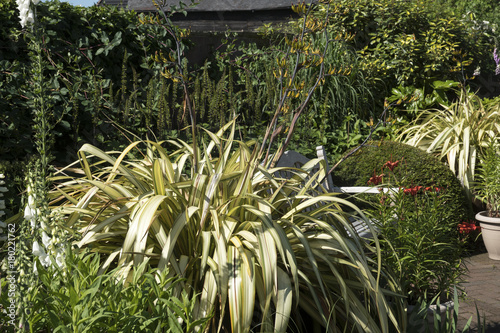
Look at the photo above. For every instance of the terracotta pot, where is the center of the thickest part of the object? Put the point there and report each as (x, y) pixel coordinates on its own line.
(490, 229)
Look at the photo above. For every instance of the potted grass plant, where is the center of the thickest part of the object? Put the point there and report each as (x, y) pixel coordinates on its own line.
(488, 191)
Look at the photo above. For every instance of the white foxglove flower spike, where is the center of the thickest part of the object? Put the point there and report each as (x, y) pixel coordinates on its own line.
(25, 14)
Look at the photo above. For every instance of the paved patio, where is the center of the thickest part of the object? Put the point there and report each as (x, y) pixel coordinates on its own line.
(483, 290)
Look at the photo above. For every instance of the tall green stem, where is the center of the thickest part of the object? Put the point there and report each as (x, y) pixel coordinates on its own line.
(42, 125)
(38, 172)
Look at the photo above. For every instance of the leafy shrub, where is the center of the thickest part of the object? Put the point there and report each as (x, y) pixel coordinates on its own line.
(80, 298)
(420, 169)
(96, 58)
(106, 77)
(417, 99)
(420, 240)
(405, 43)
(481, 11)
(15, 125)
(488, 184)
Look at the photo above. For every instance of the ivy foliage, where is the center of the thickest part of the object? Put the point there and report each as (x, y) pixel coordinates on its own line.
(96, 58)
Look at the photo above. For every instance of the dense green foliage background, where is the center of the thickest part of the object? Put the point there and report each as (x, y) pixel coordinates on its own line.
(110, 78)
(104, 74)
(412, 43)
(90, 53)
(482, 11)
(101, 72)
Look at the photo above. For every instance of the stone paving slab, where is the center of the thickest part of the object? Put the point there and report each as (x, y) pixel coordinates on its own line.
(483, 290)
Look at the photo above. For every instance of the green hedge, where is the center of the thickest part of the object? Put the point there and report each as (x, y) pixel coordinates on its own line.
(100, 72)
(482, 11)
(417, 168)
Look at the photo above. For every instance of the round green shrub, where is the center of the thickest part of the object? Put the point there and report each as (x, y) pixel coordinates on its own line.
(416, 168)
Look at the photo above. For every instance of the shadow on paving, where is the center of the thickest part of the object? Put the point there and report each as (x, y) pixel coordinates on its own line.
(483, 294)
(490, 328)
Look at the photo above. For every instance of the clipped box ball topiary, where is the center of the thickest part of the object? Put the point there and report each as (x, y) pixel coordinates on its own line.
(417, 168)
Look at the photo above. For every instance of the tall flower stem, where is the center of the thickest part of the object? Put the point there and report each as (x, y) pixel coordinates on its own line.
(41, 104)
(37, 218)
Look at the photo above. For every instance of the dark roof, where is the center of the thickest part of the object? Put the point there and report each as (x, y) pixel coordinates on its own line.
(218, 15)
(213, 5)
(117, 3)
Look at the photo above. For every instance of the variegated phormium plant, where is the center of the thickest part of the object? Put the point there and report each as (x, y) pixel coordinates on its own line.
(456, 133)
(255, 247)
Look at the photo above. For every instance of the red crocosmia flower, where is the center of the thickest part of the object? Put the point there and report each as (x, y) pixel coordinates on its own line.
(464, 228)
(391, 165)
(428, 188)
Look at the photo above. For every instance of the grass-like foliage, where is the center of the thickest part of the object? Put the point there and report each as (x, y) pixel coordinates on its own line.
(457, 134)
(488, 184)
(254, 247)
(443, 321)
(420, 241)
